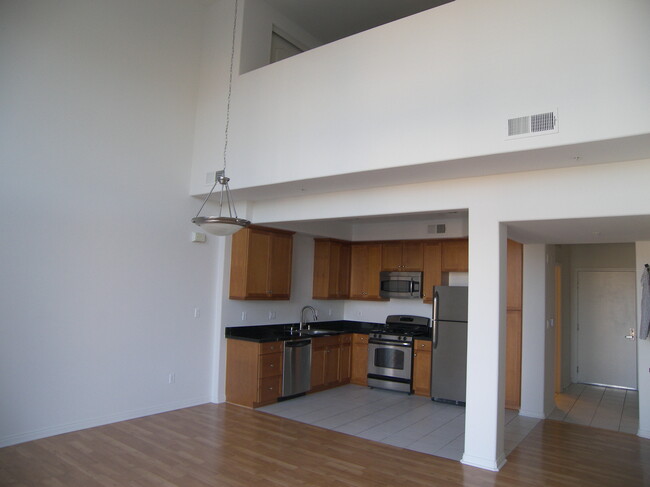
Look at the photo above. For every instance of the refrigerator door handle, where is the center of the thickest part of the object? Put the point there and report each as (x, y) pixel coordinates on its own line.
(434, 330)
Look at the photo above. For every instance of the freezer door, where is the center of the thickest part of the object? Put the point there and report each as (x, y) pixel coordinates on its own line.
(451, 303)
(449, 362)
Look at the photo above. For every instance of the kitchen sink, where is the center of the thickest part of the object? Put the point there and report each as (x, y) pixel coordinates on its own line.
(311, 333)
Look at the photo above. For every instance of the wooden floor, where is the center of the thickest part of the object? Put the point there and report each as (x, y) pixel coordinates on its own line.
(225, 445)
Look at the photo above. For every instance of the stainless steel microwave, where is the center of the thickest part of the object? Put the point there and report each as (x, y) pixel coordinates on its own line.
(406, 285)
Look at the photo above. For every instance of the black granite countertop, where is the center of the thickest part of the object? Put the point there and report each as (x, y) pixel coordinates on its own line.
(273, 333)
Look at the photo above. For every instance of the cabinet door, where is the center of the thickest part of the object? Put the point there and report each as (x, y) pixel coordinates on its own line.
(358, 271)
(391, 256)
(432, 269)
(331, 369)
(513, 359)
(372, 271)
(322, 269)
(359, 366)
(344, 272)
(422, 368)
(249, 264)
(412, 259)
(317, 364)
(344, 361)
(455, 256)
(514, 279)
(279, 279)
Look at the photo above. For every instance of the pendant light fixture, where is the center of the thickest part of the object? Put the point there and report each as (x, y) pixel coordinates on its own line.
(223, 225)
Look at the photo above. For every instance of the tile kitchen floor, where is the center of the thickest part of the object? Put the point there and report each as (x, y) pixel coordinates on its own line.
(599, 407)
(411, 422)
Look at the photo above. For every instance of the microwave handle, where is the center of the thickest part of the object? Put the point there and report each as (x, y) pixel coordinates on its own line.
(411, 287)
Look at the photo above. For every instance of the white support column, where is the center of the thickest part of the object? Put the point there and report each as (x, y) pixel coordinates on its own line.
(533, 332)
(484, 414)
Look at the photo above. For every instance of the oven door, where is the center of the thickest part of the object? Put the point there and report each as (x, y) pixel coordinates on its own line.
(390, 364)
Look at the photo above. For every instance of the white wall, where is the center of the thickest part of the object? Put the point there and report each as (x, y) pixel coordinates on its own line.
(440, 86)
(533, 338)
(643, 347)
(98, 277)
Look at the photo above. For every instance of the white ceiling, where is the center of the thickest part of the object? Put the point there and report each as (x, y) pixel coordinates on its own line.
(331, 20)
(582, 231)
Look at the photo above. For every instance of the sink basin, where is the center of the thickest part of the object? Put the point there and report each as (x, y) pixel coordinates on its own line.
(307, 333)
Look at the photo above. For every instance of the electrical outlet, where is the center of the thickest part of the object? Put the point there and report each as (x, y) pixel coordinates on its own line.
(243, 315)
(359, 314)
(197, 312)
(172, 378)
(271, 315)
(329, 312)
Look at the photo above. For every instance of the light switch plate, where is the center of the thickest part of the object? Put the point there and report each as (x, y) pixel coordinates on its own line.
(198, 237)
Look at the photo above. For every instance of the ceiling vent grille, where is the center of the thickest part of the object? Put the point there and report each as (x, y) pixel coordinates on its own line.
(529, 125)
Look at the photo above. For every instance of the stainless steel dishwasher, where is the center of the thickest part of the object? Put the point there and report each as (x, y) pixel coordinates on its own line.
(296, 370)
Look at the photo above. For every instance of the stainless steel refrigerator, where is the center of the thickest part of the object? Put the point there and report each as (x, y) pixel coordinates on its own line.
(449, 336)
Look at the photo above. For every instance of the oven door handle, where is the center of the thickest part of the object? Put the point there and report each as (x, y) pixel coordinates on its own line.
(391, 343)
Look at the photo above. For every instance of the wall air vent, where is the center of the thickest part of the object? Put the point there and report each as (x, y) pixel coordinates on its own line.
(439, 229)
(530, 125)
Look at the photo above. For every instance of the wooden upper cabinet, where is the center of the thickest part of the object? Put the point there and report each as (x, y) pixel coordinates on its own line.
(455, 255)
(261, 264)
(401, 255)
(432, 268)
(331, 269)
(365, 265)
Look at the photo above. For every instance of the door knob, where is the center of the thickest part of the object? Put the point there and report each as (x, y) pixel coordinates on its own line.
(632, 335)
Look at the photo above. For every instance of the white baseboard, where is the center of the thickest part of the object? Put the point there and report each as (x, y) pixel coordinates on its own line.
(484, 463)
(643, 433)
(99, 421)
(532, 414)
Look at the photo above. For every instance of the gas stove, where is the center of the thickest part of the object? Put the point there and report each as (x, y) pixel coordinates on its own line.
(390, 351)
(402, 328)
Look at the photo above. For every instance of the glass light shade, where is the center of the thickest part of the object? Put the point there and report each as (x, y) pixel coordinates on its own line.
(220, 225)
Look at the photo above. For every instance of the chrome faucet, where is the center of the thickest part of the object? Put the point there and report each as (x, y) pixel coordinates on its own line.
(303, 322)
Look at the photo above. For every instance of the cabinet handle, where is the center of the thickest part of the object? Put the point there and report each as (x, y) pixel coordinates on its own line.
(415, 354)
(271, 365)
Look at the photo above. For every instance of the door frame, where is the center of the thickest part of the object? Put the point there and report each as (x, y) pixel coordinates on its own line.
(574, 313)
(558, 328)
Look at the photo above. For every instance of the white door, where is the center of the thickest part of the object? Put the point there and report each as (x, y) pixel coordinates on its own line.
(606, 315)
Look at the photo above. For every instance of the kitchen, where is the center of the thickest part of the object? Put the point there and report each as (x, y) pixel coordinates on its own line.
(358, 315)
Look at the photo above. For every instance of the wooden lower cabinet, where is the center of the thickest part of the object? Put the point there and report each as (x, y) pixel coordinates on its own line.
(359, 366)
(345, 358)
(253, 372)
(422, 368)
(327, 356)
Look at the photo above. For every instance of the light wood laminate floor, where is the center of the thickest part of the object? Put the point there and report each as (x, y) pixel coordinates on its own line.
(226, 445)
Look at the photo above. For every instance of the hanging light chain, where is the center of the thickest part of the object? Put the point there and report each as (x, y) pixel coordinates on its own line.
(232, 63)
